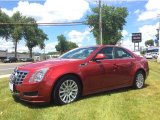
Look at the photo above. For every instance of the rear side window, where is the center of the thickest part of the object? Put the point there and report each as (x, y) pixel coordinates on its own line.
(121, 53)
(108, 52)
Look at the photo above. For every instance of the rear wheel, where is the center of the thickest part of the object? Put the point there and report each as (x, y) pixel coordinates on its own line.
(66, 90)
(139, 80)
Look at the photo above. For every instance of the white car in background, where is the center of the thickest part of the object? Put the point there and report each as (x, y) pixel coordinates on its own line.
(155, 55)
(148, 56)
(137, 53)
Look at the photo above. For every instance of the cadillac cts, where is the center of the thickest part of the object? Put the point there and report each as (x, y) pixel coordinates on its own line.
(79, 72)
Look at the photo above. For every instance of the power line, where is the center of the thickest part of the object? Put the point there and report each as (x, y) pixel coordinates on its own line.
(120, 0)
(48, 24)
(22, 0)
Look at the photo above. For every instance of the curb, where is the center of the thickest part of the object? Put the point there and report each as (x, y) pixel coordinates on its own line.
(3, 76)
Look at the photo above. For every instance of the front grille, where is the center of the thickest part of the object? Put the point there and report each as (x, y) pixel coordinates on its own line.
(18, 76)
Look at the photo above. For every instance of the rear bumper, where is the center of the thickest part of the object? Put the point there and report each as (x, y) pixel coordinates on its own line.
(33, 93)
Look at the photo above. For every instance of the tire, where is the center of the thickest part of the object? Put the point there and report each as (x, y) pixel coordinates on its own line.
(66, 90)
(139, 80)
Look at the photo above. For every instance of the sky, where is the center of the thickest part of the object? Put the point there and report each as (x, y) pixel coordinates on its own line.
(143, 17)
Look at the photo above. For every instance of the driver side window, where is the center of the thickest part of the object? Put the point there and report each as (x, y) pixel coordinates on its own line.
(108, 52)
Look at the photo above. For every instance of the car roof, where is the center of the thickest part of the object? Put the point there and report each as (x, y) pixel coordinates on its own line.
(102, 46)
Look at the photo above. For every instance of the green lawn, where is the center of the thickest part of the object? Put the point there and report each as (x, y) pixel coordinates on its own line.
(123, 104)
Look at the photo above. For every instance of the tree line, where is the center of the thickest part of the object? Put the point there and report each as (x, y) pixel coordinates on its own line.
(32, 35)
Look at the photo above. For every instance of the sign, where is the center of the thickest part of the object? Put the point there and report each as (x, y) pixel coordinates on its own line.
(136, 37)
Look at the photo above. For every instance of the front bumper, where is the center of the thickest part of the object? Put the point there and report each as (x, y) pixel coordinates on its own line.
(33, 92)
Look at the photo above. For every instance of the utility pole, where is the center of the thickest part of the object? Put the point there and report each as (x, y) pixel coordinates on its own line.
(100, 22)
(158, 59)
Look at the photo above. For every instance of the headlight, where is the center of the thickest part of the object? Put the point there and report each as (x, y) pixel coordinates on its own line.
(38, 75)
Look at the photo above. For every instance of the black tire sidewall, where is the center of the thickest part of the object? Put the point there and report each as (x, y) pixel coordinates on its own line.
(55, 97)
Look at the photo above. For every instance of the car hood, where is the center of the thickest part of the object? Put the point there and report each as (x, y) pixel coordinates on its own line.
(47, 63)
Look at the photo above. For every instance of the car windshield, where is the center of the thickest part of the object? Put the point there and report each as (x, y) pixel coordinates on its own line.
(78, 53)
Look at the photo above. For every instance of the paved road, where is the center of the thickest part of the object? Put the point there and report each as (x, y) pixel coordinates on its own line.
(7, 68)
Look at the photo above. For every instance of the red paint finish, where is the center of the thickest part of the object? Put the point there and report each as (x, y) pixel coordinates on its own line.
(96, 75)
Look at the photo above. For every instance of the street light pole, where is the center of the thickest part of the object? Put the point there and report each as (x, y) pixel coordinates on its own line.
(100, 22)
(158, 59)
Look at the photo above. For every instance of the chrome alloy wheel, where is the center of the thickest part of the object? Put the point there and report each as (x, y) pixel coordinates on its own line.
(68, 91)
(140, 80)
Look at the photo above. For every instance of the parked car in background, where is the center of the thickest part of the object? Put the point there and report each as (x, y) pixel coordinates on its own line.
(79, 72)
(10, 60)
(138, 53)
(26, 59)
(155, 55)
(148, 56)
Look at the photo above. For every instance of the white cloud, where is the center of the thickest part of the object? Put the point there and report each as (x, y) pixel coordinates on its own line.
(79, 37)
(8, 45)
(52, 10)
(50, 47)
(151, 12)
(152, 5)
(128, 44)
(147, 15)
(148, 31)
(137, 11)
(124, 33)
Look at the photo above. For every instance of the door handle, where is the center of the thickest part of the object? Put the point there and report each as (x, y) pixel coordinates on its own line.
(83, 64)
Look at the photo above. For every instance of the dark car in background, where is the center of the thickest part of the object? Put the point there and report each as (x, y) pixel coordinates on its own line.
(10, 60)
(26, 59)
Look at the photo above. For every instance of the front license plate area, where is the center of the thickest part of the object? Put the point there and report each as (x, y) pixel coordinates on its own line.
(11, 86)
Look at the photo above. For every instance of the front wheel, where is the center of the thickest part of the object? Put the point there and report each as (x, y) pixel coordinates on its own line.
(66, 90)
(139, 80)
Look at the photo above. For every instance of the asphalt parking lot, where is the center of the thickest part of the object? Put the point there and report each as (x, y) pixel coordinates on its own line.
(7, 68)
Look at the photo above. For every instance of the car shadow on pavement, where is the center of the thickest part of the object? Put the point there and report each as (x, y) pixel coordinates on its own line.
(47, 105)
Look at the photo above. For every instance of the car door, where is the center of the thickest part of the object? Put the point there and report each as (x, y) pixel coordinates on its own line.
(123, 65)
(100, 74)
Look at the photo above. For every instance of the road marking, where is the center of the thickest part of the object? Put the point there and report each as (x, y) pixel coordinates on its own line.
(14, 63)
(3, 76)
(6, 69)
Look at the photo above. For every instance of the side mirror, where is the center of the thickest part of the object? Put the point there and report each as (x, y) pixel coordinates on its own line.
(100, 56)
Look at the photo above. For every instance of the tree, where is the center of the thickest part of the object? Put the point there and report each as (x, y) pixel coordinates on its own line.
(113, 19)
(4, 29)
(149, 43)
(72, 45)
(64, 45)
(16, 30)
(33, 35)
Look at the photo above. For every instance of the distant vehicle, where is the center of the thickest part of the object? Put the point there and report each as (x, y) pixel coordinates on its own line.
(26, 60)
(138, 53)
(155, 55)
(79, 72)
(3, 55)
(153, 51)
(10, 60)
(148, 56)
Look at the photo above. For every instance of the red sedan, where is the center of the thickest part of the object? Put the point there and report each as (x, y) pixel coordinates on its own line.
(79, 72)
